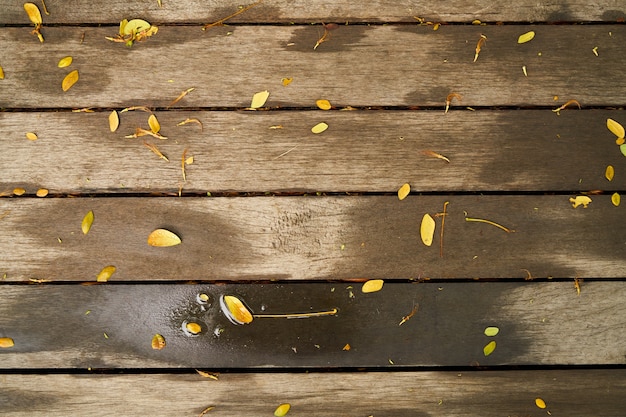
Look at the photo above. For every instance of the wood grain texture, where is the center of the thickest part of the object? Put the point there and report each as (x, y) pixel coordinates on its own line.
(410, 394)
(111, 326)
(83, 11)
(253, 238)
(358, 66)
(362, 151)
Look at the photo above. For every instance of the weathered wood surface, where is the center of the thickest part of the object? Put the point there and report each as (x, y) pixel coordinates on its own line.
(395, 65)
(362, 151)
(252, 238)
(111, 326)
(414, 394)
(175, 11)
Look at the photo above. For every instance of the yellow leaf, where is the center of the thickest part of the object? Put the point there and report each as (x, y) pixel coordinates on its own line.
(114, 121)
(620, 141)
(193, 328)
(105, 273)
(65, 62)
(404, 191)
(427, 229)
(133, 27)
(1, 74)
(323, 104)
(33, 13)
(286, 81)
(42, 192)
(616, 128)
(282, 410)
(319, 128)
(580, 200)
(609, 173)
(19, 191)
(123, 24)
(259, 99)
(189, 160)
(373, 285)
(154, 124)
(31, 136)
(235, 310)
(526, 37)
(540, 403)
(158, 342)
(489, 348)
(491, 331)
(87, 222)
(69, 80)
(615, 199)
(6, 342)
(163, 238)
(347, 347)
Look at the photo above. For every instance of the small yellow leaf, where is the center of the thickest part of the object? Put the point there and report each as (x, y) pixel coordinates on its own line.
(87, 222)
(580, 200)
(620, 141)
(622, 149)
(259, 99)
(158, 342)
(540, 403)
(19, 191)
(286, 81)
(1, 74)
(609, 173)
(372, 285)
(347, 347)
(33, 13)
(42, 192)
(235, 310)
(404, 191)
(615, 199)
(323, 104)
(6, 342)
(282, 410)
(489, 348)
(526, 37)
(616, 128)
(189, 160)
(427, 229)
(105, 273)
(163, 238)
(133, 27)
(65, 62)
(114, 121)
(319, 128)
(193, 328)
(31, 136)
(69, 80)
(491, 331)
(154, 124)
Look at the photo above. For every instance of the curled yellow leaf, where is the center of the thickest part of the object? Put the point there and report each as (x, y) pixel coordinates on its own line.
(234, 310)
(373, 285)
(319, 128)
(615, 199)
(87, 222)
(105, 273)
(526, 37)
(33, 13)
(609, 173)
(282, 410)
(259, 99)
(6, 342)
(158, 342)
(404, 191)
(69, 80)
(163, 238)
(114, 121)
(427, 229)
(65, 62)
(323, 104)
(154, 124)
(615, 128)
(489, 348)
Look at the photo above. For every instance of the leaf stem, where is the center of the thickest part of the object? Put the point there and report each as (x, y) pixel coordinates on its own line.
(499, 226)
(297, 315)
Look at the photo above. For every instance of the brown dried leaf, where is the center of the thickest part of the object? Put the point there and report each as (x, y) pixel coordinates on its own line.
(183, 94)
(69, 80)
(163, 238)
(105, 273)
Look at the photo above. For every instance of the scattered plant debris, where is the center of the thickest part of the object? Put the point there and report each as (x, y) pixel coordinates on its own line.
(479, 45)
(580, 200)
(238, 12)
(35, 17)
(135, 30)
(105, 273)
(404, 191)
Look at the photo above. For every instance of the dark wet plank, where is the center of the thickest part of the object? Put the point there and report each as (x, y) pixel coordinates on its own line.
(359, 66)
(84, 11)
(111, 326)
(299, 238)
(458, 394)
(362, 151)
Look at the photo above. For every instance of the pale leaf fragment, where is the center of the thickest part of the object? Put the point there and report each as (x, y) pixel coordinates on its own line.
(210, 375)
(323, 104)
(622, 149)
(87, 222)
(158, 342)
(69, 80)
(31, 136)
(154, 124)
(491, 331)
(163, 238)
(373, 285)
(427, 229)
(526, 37)
(6, 342)
(580, 200)
(114, 121)
(489, 348)
(609, 173)
(259, 99)
(319, 128)
(615, 199)
(105, 273)
(404, 191)
(282, 410)
(65, 62)
(615, 128)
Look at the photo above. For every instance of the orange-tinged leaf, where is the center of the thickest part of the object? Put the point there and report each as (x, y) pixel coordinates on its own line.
(259, 99)
(158, 342)
(234, 309)
(6, 342)
(31, 136)
(65, 62)
(615, 128)
(69, 80)
(489, 348)
(319, 128)
(373, 285)
(105, 273)
(33, 13)
(114, 121)
(87, 222)
(323, 104)
(282, 410)
(42, 192)
(427, 229)
(609, 173)
(615, 199)
(154, 124)
(540, 403)
(286, 81)
(404, 191)
(163, 238)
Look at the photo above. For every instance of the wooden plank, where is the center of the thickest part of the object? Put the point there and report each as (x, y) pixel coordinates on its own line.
(253, 238)
(499, 393)
(362, 151)
(391, 65)
(302, 11)
(111, 326)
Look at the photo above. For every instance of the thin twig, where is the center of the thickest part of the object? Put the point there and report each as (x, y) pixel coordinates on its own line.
(499, 226)
(238, 12)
